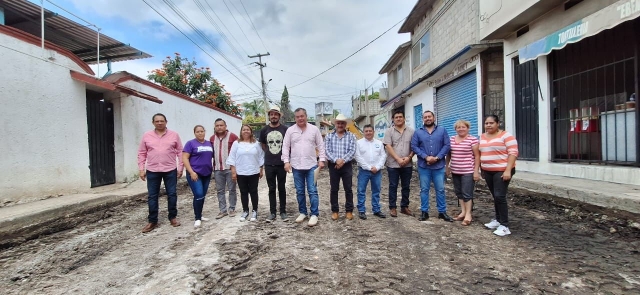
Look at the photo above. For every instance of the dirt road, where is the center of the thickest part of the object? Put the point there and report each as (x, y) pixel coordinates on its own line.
(556, 247)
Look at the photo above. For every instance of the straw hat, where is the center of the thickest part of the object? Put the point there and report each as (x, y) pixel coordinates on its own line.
(340, 118)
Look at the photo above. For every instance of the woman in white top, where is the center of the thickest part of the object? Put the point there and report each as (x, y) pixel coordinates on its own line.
(246, 159)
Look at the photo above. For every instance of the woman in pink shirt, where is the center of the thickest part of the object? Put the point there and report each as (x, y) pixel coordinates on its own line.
(463, 164)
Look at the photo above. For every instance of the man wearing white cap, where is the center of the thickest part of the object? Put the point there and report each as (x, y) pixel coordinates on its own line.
(271, 137)
(340, 148)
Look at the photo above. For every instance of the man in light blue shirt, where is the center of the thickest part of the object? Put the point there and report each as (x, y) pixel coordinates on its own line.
(431, 144)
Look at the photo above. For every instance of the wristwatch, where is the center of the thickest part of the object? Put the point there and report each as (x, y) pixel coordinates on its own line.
(437, 158)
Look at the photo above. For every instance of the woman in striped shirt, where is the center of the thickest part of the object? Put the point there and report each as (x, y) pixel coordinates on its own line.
(498, 154)
(463, 164)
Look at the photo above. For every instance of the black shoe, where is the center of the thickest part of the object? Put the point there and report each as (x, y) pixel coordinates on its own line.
(445, 217)
(362, 215)
(424, 216)
(380, 214)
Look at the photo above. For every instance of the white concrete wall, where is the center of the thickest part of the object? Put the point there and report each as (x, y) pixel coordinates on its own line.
(421, 94)
(496, 13)
(551, 22)
(44, 142)
(135, 116)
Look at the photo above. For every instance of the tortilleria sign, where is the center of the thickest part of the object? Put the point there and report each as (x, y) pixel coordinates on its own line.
(603, 19)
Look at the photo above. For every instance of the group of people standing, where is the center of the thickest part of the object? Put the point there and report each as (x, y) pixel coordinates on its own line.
(463, 157)
(301, 150)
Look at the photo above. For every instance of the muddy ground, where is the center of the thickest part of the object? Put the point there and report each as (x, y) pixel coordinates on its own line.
(556, 247)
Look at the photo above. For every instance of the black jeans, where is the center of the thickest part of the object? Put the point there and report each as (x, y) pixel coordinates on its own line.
(402, 175)
(335, 175)
(276, 173)
(463, 185)
(248, 185)
(498, 189)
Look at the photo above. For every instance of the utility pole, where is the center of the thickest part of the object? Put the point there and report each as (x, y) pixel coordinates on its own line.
(264, 88)
(366, 105)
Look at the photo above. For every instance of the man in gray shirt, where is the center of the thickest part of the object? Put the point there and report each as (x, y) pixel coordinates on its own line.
(397, 142)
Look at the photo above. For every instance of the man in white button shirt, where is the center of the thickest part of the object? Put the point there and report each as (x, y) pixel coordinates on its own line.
(370, 155)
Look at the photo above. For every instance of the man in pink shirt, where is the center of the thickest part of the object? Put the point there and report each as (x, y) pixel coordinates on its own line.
(158, 151)
(299, 147)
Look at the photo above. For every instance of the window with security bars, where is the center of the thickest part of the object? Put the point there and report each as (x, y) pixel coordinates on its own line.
(594, 97)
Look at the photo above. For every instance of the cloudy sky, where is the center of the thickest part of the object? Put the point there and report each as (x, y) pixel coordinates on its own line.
(304, 38)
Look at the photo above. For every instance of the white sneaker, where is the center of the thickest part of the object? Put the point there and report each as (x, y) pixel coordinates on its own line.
(493, 224)
(502, 231)
(254, 215)
(313, 220)
(204, 219)
(244, 216)
(196, 224)
(301, 218)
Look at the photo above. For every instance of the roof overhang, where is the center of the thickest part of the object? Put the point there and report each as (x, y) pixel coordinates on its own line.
(397, 55)
(80, 39)
(448, 65)
(120, 77)
(416, 15)
(102, 86)
(590, 25)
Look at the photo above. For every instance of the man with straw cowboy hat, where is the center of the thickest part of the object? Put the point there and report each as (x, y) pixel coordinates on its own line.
(340, 148)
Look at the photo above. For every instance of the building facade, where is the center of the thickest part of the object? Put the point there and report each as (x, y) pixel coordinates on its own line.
(444, 68)
(571, 84)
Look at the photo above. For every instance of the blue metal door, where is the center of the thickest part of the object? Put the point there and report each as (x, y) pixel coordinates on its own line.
(417, 117)
(457, 100)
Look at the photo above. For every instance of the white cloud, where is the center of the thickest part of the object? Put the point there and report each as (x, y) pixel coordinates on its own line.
(303, 37)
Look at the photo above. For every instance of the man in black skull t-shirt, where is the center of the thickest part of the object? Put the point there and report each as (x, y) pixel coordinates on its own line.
(271, 137)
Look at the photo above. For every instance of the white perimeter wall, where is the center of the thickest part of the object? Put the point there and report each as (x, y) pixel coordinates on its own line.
(133, 118)
(43, 123)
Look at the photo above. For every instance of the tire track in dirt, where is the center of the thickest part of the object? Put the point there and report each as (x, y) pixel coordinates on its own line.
(401, 255)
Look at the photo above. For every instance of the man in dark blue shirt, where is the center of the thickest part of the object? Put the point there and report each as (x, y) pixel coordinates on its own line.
(431, 144)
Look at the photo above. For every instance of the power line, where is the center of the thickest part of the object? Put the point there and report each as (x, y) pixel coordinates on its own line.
(363, 47)
(316, 79)
(196, 44)
(254, 27)
(239, 26)
(225, 26)
(206, 14)
(204, 37)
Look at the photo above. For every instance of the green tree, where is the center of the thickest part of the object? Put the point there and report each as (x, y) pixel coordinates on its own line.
(253, 120)
(375, 95)
(285, 106)
(255, 108)
(181, 75)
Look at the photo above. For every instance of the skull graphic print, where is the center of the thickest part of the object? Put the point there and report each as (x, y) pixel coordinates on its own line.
(274, 141)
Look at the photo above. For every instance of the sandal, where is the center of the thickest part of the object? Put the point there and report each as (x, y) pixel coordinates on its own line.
(466, 222)
(458, 218)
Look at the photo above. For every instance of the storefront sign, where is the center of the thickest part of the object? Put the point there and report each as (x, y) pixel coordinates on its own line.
(459, 69)
(606, 18)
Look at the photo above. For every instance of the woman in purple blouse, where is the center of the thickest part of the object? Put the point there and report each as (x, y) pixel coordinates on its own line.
(197, 157)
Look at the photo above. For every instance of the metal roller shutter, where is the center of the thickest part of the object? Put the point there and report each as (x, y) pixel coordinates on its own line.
(458, 100)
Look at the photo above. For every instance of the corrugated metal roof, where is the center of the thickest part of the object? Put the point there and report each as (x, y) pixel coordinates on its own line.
(77, 38)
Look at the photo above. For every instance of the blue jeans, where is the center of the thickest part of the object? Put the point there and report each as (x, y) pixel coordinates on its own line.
(199, 189)
(376, 181)
(154, 179)
(403, 176)
(299, 179)
(427, 176)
